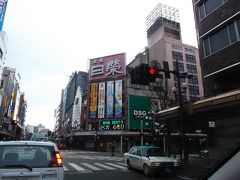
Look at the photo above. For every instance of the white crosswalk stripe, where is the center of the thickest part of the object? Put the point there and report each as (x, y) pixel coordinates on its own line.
(91, 167)
(65, 169)
(117, 166)
(105, 166)
(78, 168)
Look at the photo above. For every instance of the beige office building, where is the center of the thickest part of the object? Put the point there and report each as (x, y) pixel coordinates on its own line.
(165, 44)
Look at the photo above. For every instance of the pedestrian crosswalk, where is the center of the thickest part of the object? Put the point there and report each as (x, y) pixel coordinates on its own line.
(91, 167)
(90, 157)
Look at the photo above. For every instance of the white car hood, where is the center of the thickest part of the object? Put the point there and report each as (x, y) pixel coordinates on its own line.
(161, 159)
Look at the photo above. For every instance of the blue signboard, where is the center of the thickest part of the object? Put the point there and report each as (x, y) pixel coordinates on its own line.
(3, 7)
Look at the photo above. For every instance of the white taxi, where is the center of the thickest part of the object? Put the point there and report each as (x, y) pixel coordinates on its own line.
(30, 160)
(150, 159)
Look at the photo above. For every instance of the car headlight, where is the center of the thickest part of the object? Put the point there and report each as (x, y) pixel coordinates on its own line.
(155, 164)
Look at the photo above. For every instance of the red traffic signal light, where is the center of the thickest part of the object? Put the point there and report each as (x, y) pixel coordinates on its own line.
(152, 71)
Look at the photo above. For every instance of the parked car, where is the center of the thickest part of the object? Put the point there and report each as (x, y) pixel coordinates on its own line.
(150, 159)
(30, 160)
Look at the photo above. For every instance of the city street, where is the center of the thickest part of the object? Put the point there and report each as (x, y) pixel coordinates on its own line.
(91, 165)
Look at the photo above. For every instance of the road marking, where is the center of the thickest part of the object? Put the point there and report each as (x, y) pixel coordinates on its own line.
(91, 167)
(122, 164)
(105, 166)
(77, 167)
(115, 165)
(65, 169)
(182, 177)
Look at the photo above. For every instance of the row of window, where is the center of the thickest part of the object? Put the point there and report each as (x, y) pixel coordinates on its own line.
(192, 80)
(209, 6)
(180, 48)
(191, 69)
(179, 57)
(223, 38)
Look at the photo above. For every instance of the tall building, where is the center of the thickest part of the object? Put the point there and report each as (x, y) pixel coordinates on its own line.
(165, 46)
(77, 79)
(77, 107)
(218, 31)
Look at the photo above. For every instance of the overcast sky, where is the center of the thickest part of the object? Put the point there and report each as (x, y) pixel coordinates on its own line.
(50, 39)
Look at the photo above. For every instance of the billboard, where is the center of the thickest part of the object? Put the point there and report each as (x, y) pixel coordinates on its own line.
(93, 100)
(110, 93)
(139, 110)
(118, 98)
(101, 100)
(107, 66)
(3, 7)
(112, 124)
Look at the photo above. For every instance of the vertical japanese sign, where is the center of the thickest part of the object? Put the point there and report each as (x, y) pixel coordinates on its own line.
(110, 93)
(93, 100)
(3, 7)
(118, 98)
(101, 100)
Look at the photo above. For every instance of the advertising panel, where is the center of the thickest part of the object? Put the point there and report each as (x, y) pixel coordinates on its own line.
(93, 100)
(107, 66)
(139, 110)
(3, 7)
(118, 98)
(101, 100)
(110, 93)
(112, 125)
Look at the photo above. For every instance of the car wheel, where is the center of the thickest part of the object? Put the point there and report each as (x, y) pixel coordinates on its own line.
(147, 170)
(129, 167)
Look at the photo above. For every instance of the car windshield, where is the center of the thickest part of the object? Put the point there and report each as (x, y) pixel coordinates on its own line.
(26, 155)
(152, 152)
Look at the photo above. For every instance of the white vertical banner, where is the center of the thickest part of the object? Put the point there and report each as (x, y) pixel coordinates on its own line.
(110, 95)
(118, 98)
(101, 100)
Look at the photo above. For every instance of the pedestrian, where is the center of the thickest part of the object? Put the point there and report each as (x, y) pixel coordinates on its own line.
(112, 149)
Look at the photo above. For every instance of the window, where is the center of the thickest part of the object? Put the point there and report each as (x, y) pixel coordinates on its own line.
(192, 69)
(190, 58)
(238, 26)
(190, 50)
(206, 47)
(176, 47)
(193, 80)
(201, 11)
(211, 5)
(177, 56)
(219, 40)
(180, 66)
(182, 80)
(232, 33)
(193, 90)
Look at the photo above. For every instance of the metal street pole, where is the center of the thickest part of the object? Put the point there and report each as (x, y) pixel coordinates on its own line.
(183, 153)
(141, 132)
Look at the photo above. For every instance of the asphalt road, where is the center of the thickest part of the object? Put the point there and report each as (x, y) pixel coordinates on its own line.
(87, 165)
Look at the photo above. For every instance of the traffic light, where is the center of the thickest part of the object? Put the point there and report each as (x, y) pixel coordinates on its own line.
(152, 74)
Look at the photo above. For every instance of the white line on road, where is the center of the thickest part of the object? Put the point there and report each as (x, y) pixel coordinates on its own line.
(105, 166)
(65, 169)
(117, 166)
(122, 164)
(91, 167)
(182, 177)
(77, 167)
